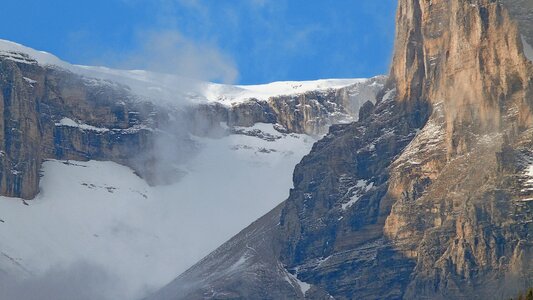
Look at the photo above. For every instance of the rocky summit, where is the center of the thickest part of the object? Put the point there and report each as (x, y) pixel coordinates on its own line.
(429, 195)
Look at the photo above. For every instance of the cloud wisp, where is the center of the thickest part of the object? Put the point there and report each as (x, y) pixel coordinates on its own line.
(81, 281)
(170, 52)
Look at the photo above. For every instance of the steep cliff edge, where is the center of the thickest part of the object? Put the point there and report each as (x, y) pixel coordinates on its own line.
(49, 113)
(428, 195)
(459, 204)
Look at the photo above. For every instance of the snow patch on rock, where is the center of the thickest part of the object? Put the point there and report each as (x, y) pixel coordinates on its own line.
(71, 123)
(293, 280)
(361, 187)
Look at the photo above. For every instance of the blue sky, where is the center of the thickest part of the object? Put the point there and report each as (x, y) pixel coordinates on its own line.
(240, 41)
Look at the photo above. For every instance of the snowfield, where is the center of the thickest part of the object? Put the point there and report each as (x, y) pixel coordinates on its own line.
(102, 214)
(172, 89)
(229, 94)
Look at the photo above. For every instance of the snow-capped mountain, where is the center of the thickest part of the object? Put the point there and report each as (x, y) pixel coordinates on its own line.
(139, 174)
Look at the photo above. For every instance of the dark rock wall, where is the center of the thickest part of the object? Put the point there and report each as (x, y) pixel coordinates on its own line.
(34, 99)
(331, 224)
(20, 157)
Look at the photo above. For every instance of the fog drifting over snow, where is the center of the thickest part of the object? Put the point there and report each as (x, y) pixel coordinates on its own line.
(98, 220)
(81, 281)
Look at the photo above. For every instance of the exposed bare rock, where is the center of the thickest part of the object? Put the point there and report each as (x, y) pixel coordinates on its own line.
(454, 207)
(315, 111)
(310, 112)
(49, 113)
(467, 55)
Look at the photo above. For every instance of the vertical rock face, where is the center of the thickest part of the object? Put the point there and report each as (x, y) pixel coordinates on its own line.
(315, 111)
(51, 114)
(428, 195)
(331, 225)
(459, 208)
(467, 55)
(19, 156)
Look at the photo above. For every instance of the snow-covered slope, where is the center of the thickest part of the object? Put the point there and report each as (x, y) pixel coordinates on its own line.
(235, 94)
(12, 51)
(103, 215)
(167, 88)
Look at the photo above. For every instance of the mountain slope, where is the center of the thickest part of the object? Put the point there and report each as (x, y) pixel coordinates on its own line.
(426, 196)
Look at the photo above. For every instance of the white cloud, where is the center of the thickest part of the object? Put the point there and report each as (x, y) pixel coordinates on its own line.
(170, 52)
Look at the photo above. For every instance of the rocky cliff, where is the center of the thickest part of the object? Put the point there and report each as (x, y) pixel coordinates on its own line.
(427, 196)
(311, 112)
(50, 113)
(461, 210)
